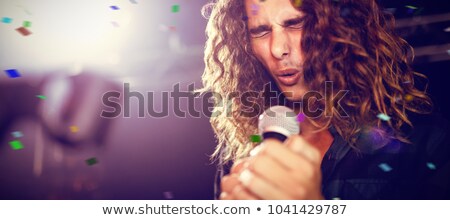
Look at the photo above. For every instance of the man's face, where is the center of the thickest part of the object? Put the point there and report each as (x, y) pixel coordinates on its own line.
(275, 31)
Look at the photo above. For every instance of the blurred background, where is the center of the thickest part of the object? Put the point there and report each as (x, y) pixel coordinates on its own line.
(58, 59)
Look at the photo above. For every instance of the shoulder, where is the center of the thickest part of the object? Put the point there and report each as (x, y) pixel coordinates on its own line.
(431, 130)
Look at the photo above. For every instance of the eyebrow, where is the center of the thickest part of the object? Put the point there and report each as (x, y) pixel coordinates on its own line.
(286, 23)
(293, 21)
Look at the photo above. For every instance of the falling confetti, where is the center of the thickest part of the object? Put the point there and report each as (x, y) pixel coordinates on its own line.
(256, 138)
(23, 31)
(26, 24)
(385, 167)
(408, 97)
(41, 97)
(133, 1)
(113, 7)
(300, 117)
(411, 7)
(13, 73)
(431, 166)
(91, 161)
(298, 3)
(447, 29)
(6, 20)
(74, 129)
(255, 9)
(383, 117)
(168, 195)
(16, 145)
(175, 8)
(17, 134)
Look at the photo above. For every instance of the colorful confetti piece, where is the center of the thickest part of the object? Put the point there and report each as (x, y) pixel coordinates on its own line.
(411, 7)
(408, 97)
(16, 145)
(17, 134)
(41, 97)
(383, 117)
(26, 24)
(298, 3)
(23, 31)
(256, 138)
(6, 20)
(13, 73)
(255, 9)
(113, 7)
(447, 29)
(74, 129)
(385, 167)
(91, 161)
(300, 117)
(175, 8)
(133, 1)
(431, 166)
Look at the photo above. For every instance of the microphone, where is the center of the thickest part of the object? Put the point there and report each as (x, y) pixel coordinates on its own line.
(278, 122)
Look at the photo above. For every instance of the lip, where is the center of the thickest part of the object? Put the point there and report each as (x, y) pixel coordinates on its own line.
(288, 77)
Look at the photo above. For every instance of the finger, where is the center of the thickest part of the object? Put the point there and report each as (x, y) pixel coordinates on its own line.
(241, 193)
(239, 165)
(260, 187)
(226, 196)
(229, 182)
(273, 172)
(299, 145)
(290, 160)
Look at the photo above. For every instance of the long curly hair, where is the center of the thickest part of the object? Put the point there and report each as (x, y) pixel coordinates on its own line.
(349, 42)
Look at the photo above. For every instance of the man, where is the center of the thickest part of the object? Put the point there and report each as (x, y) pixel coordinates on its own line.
(379, 144)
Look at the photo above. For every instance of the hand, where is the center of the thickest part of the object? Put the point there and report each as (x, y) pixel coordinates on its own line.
(289, 170)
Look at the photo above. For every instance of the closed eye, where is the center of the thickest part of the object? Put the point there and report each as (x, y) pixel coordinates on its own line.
(259, 31)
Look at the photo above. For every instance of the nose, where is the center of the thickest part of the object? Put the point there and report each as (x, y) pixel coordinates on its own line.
(280, 47)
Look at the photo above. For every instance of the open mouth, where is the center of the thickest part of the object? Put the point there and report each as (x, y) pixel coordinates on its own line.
(289, 78)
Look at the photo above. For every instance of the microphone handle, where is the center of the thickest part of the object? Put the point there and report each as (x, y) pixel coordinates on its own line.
(275, 135)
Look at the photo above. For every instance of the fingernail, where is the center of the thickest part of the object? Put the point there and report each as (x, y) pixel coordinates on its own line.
(245, 177)
(223, 195)
(255, 150)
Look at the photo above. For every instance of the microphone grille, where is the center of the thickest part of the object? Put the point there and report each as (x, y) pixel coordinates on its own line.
(279, 119)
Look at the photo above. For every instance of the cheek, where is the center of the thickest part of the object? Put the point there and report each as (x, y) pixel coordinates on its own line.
(296, 39)
(262, 52)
